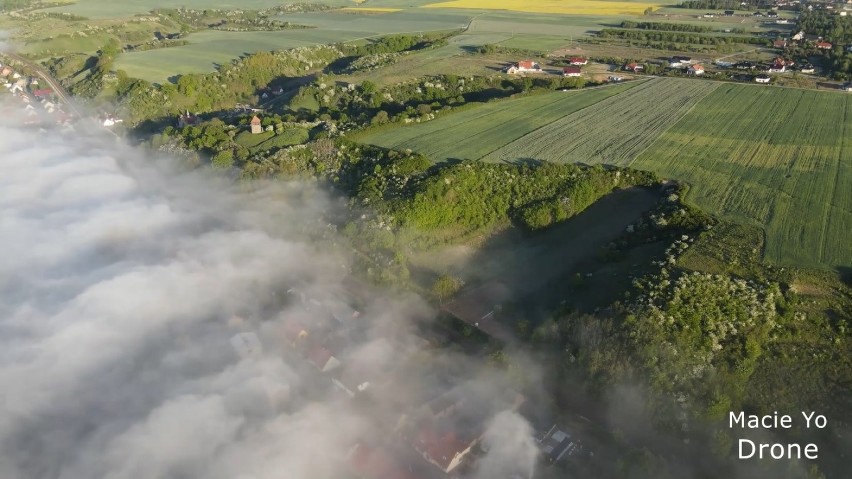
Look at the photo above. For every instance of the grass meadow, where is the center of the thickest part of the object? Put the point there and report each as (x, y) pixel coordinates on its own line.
(770, 157)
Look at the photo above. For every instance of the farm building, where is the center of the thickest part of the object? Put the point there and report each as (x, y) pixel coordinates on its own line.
(524, 66)
(634, 67)
(780, 43)
(729, 13)
(696, 69)
(572, 71)
(578, 61)
(255, 126)
(807, 68)
(762, 79)
(824, 45)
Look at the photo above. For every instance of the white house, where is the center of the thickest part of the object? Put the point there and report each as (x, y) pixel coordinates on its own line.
(762, 79)
(696, 69)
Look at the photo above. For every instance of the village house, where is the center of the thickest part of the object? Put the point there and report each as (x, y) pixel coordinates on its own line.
(634, 67)
(523, 67)
(824, 45)
(762, 79)
(557, 445)
(256, 126)
(780, 43)
(572, 71)
(678, 61)
(578, 61)
(696, 69)
(42, 93)
(807, 68)
(322, 358)
(778, 66)
(450, 426)
(375, 463)
(799, 36)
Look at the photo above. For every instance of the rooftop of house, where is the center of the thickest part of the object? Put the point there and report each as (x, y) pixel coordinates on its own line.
(440, 447)
(255, 120)
(375, 463)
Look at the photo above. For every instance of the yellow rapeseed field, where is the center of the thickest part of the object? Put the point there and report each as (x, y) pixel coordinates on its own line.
(575, 7)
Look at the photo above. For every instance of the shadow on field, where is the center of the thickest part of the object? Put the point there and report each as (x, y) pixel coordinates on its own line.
(514, 264)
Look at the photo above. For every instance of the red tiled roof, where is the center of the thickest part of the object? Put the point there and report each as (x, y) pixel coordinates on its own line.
(823, 45)
(526, 64)
(375, 464)
(43, 92)
(577, 60)
(571, 70)
(255, 121)
(319, 356)
(292, 330)
(441, 449)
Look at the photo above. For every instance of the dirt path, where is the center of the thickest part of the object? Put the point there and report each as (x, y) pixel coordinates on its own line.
(522, 269)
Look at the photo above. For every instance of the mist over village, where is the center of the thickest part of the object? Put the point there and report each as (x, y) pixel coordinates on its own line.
(425, 239)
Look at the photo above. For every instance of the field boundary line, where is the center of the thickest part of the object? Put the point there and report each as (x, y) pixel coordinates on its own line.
(570, 114)
(826, 217)
(687, 112)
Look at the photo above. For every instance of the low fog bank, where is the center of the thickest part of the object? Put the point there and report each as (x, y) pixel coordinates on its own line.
(148, 319)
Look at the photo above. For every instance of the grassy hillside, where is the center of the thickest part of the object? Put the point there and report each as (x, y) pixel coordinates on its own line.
(771, 157)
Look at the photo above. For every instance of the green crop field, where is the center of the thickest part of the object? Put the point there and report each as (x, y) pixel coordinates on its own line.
(208, 48)
(476, 132)
(771, 157)
(127, 8)
(612, 131)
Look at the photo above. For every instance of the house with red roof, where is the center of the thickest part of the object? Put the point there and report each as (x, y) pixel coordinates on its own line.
(634, 67)
(824, 45)
(572, 71)
(43, 92)
(256, 126)
(524, 66)
(445, 450)
(375, 463)
(322, 358)
(578, 61)
(696, 69)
